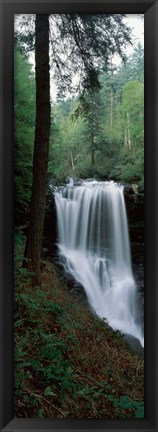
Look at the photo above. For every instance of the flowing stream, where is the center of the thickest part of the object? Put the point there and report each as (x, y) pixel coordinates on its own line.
(95, 249)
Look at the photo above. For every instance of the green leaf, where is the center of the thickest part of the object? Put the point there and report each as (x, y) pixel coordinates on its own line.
(26, 398)
(48, 392)
(23, 365)
(40, 413)
(139, 414)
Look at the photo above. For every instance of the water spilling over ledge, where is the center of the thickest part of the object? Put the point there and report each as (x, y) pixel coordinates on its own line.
(95, 249)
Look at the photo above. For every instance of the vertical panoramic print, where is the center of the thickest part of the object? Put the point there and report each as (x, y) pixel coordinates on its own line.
(79, 222)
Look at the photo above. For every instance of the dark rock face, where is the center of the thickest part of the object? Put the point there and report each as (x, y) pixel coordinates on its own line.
(134, 344)
(68, 281)
(134, 200)
(50, 226)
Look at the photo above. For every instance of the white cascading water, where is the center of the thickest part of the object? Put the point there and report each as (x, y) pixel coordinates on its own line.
(94, 242)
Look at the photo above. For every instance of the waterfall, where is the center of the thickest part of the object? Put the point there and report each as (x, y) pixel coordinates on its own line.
(94, 244)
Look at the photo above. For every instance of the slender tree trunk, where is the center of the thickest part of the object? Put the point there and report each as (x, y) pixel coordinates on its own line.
(92, 136)
(72, 161)
(92, 148)
(41, 147)
(93, 157)
(111, 108)
(128, 131)
(125, 139)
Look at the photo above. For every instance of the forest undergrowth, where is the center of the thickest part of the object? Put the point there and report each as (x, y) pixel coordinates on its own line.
(68, 362)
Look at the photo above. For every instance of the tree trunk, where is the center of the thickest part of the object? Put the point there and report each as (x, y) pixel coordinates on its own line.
(93, 157)
(92, 138)
(128, 131)
(72, 161)
(41, 147)
(111, 108)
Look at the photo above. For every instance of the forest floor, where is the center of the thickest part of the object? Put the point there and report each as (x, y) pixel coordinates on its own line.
(68, 362)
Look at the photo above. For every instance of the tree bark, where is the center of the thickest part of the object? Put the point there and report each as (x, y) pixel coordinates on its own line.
(41, 147)
(93, 157)
(111, 108)
(128, 131)
(72, 161)
(92, 135)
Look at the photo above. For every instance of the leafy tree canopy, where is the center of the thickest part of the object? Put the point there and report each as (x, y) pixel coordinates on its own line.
(79, 45)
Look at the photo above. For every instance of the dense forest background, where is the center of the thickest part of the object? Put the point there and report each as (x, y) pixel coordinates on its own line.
(99, 135)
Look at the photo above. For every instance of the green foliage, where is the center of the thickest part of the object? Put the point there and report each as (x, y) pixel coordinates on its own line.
(90, 134)
(80, 45)
(24, 124)
(54, 344)
(101, 134)
(21, 274)
(131, 405)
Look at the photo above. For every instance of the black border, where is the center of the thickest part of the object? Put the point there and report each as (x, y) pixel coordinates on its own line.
(7, 11)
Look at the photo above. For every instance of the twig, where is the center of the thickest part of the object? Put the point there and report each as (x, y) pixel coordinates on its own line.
(91, 379)
(46, 400)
